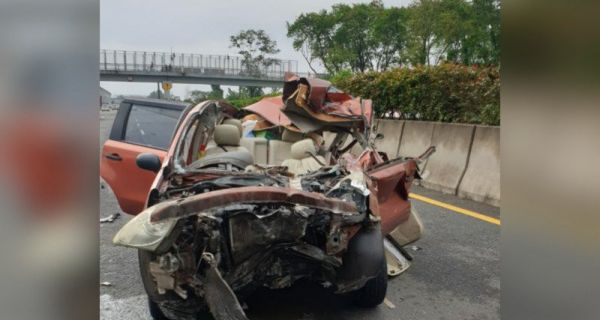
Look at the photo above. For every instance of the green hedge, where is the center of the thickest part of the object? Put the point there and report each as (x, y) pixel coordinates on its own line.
(446, 93)
(240, 103)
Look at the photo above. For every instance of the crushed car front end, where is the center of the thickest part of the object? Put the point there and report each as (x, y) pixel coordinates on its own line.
(240, 231)
(217, 225)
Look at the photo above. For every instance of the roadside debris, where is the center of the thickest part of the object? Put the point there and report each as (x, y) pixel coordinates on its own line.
(415, 248)
(111, 218)
(106, 284)
(389, 304)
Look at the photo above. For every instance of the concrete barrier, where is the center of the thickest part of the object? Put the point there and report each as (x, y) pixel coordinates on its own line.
(481, 181)
(447, 165)
(416, 138)
(466, 163)
(392, 132)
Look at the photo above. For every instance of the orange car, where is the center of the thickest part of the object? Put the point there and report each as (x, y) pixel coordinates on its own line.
(216, 225)
(141, 126)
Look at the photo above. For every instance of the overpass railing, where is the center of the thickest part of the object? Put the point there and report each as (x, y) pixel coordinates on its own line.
(209, 65)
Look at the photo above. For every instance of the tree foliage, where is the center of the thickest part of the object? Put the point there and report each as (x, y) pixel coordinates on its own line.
(244, 101)
(447, 92)
(256, 48)
(362, 37)
(155, 94)
(197, 96)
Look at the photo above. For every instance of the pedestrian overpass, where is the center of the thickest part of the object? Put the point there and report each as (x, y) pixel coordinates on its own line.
(138, 66)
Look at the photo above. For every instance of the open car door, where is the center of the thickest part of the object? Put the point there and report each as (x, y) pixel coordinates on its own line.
(141, 126)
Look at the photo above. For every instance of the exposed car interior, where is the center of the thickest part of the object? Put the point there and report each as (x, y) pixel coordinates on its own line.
(226, 149)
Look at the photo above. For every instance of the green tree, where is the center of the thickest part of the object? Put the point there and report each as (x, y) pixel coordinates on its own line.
(422, 24)
(312, 35)
(363, 37)
(358, 37)
(255, 47)
(459, 31)
(390, 35)
(197, 96)
(354, 44)
(155, 94)
(486, 20)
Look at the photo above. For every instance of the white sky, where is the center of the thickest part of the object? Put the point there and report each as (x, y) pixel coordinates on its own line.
(196, 26)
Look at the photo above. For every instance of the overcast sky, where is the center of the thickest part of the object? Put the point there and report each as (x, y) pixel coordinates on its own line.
(196, 26)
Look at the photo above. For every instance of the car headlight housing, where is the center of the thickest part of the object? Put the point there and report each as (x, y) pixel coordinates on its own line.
(141, 233)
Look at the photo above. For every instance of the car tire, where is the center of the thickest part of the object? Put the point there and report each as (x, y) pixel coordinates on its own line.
(171, 305)
(155, 311)
(373, 292)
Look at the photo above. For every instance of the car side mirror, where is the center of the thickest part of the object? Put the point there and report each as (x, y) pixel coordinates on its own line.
(148, 161)
(379, 136)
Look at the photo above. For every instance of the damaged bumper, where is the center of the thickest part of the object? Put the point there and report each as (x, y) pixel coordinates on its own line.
(255, 236)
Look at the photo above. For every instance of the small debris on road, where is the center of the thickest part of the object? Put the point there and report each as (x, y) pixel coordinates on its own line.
(106, 284)
(389, 304)
(415, 248)
(110, 218)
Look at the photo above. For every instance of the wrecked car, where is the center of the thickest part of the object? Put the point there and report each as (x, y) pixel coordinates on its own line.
(216, 225)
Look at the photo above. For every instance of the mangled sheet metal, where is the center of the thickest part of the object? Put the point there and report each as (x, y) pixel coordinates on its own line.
(210, 236)
(270, 109)
(268, 114)
(314, 104)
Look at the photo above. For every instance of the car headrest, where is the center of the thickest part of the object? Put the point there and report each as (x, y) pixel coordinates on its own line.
(236, 123)
(291, 136)
(227, 135)
(303, 148)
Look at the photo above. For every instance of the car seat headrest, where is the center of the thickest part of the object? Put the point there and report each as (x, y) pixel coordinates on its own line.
(227, 135)
(303, 149)
(236, 123)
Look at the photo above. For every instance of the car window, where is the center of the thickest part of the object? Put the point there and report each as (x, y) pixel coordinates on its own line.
(151, 126)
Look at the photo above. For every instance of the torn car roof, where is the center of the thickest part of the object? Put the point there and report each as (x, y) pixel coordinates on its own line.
(313, 104)
(270, 109)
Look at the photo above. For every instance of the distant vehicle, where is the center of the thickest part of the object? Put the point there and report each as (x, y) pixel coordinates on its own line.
(216, 226)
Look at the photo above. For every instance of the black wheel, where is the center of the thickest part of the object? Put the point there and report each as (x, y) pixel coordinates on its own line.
(171, 305)
(155, 311)
(373, 292)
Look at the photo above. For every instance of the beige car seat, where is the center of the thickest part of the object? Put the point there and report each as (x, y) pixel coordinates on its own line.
(227, 139)
(236, 123)
(258, 147)
(280, 150)
(302, 162)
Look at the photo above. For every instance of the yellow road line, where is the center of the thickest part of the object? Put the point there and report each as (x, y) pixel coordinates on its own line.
(466, 212)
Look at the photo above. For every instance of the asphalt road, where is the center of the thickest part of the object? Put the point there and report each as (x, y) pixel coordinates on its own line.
(455, 272)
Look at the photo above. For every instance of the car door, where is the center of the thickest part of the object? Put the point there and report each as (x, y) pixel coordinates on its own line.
(138, 128)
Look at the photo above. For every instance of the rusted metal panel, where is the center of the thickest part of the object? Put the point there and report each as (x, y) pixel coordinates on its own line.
(270, 109)
(324, 102)
(390, 183)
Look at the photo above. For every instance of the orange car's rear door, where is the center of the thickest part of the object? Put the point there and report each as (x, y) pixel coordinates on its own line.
(141, 126)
